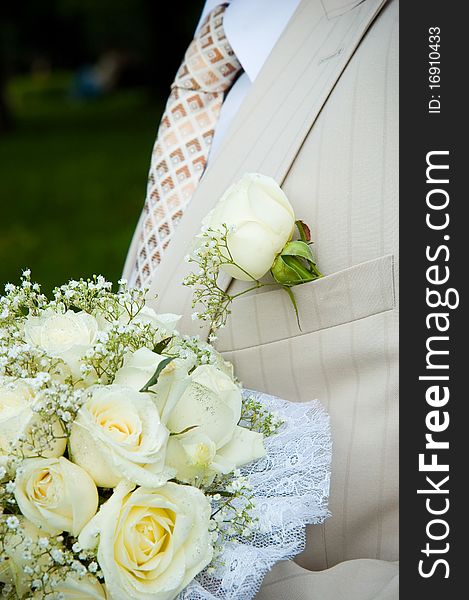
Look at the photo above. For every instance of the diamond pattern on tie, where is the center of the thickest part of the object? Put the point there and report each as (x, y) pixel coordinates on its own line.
(183, 142)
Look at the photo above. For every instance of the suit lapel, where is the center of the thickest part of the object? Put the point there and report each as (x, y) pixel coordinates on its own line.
(269, 128)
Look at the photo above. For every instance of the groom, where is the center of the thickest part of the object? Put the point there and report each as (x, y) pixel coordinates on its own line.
(304, 91)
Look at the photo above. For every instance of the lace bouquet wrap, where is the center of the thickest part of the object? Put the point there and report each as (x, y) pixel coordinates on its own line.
(132, 464)
(290, 487)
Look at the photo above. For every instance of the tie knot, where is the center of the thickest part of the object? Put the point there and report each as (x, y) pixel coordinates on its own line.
(209, 64)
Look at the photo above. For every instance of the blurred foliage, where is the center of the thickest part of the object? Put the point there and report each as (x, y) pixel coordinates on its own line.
(71, 33)
(73, 174)
(73, 180)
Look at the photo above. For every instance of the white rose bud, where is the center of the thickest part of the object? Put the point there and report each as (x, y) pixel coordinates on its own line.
(56, 495)
(67, 336)
(151, 542)
(262, 221)
(118, 435)
(211, 440)
(17, 417)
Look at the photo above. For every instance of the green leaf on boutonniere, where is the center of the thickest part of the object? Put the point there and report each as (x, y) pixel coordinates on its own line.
(154, 378)
(293, 301)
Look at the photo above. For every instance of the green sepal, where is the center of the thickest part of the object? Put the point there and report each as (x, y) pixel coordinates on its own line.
(162, 345)
(298, 248)
(304, 231)
(295, 265)
(283, 273)
(303, 273)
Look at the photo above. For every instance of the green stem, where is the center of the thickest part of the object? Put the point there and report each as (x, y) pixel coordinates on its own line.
(251, 289)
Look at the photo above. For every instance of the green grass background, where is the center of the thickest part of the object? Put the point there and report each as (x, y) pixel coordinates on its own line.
(72, 180)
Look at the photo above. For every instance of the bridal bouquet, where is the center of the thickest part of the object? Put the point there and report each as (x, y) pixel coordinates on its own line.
(132, 463)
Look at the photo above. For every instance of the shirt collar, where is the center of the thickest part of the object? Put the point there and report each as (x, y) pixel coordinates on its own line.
(253, 27)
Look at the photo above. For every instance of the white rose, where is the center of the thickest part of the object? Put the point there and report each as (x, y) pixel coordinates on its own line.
(212, 441)
(118, 435)
(17, 401)
(152, 542)
(63, 335)
(56, 495)
(172, 382)
(262, 219)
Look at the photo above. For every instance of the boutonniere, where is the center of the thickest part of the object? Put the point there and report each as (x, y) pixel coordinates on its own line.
(250, 235)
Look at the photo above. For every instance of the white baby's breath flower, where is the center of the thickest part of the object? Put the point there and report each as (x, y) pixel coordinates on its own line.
(78, 568)
(27, 555)
(12, 522)
(57, 555)
(93, 567)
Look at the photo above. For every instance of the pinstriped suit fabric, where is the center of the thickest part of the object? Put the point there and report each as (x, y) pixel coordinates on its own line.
(343, 183)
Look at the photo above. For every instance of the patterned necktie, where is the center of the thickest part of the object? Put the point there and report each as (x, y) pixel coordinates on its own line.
(183, 143)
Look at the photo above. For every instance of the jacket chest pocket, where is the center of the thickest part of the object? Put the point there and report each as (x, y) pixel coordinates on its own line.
(355, 293)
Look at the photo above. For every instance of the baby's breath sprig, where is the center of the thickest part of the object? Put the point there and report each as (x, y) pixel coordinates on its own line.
(48, 560)
(8, 504)
(94, 296)
(191, 346)
(293, 265)
(20, 300)
(82, 294)
(256, 417)
(107, 356)
(22, 360)
(211, 255)
(232, 507)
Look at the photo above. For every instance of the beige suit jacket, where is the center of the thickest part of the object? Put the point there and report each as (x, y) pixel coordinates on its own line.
(322, 119)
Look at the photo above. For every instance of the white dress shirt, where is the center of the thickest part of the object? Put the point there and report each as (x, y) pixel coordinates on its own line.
(252, 27)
